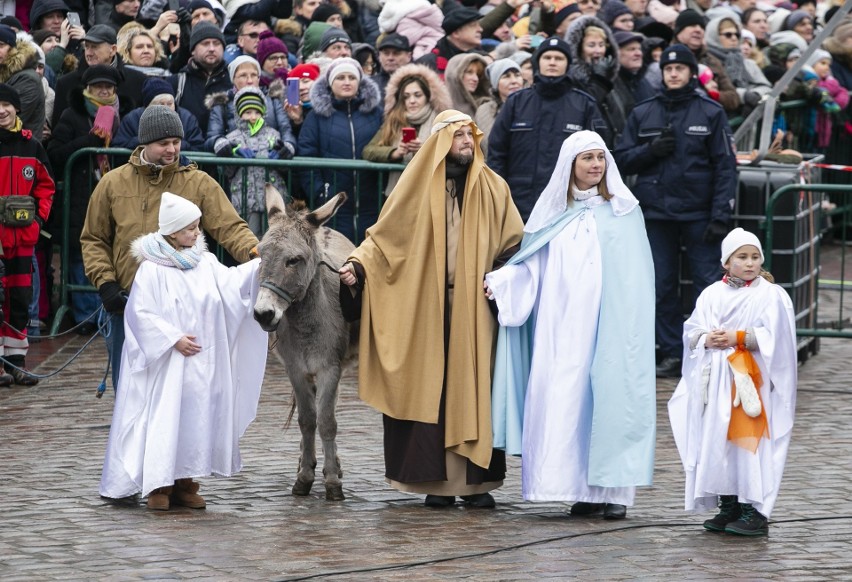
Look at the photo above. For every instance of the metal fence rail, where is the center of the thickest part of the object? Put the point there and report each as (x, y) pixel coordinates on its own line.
(219, 168)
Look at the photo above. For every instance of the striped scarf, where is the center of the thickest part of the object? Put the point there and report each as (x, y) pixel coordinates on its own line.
(156, 249)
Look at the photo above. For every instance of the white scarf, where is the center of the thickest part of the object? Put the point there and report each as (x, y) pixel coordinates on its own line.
(153, 247)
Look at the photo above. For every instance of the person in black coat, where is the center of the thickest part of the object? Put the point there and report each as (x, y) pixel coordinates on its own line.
(100, 49)
(681, 149)
(529, 130)
(76, 130)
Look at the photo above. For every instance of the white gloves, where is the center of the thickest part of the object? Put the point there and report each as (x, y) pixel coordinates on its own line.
(746, 394)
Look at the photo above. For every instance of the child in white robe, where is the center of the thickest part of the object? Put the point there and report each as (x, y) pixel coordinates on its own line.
(732, 412)
(192, 366)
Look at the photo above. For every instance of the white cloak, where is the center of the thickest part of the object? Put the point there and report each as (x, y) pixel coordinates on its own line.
(558, 407)
(713, 465)
(175, 416)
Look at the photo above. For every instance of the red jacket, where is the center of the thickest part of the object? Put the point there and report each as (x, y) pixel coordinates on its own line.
(24, 171)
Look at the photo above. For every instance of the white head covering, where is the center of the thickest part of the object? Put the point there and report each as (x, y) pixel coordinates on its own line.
(554, 199)
(453, 117)
(739, 238)
(344, 65)
(241, 60)
(176, 213)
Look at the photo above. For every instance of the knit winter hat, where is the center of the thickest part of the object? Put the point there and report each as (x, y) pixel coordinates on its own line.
(794, 18)
(7, 35)
(688, 17)
(154, 86)
(499, 68)
(197, 4)
(176, 213)
(739, 238)
(678, 53)
(249, 98)
(817, 56)
(333, 35)
(306, 70)
(343, 65)
(611, 10)
(159, 122)
(564, 13)
(312, 38)
(551, 44)
(324, 11)
(12, 22)
(39, 36)
(269, 44)
(10, 95)
(242, 60)
(202, 31)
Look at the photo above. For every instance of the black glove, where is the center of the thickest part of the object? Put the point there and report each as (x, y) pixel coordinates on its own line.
(751, 98)
(286, 151)
(663, 146)
(184, 17)
(715, 232)
(602, 66)
(113, 297)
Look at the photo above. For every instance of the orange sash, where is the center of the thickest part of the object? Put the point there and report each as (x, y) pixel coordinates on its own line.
(743, 430)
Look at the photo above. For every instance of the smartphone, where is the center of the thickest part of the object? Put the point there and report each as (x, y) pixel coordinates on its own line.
(73, 19)
(292, 91)
(408, 134)
(174, 5)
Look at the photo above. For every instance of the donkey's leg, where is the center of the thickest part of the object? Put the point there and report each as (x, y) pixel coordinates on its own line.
(327, 385)
(305, 393)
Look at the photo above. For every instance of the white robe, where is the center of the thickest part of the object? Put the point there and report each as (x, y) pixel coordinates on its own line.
(175, 416)
(558, 404)
(713, 465)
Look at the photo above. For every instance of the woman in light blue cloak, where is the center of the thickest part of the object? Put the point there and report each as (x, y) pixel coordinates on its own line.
(574, 385)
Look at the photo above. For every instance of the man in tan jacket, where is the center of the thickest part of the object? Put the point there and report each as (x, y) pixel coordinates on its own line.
(126, 203)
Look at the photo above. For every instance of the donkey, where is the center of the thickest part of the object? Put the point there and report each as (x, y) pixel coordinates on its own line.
(298, 300)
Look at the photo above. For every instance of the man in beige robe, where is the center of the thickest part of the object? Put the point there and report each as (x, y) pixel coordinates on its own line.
(427, 331)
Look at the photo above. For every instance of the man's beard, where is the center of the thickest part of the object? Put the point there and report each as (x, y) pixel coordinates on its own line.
(460, 159)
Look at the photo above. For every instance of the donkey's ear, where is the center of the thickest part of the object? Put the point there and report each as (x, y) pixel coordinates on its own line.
(274, 202)
(324, 213)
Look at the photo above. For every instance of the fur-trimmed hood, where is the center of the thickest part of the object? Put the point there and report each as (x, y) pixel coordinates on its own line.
(839, 52)
(579, 70)
(440, 99)
(461, 98)
(369, 97)
(23, 56)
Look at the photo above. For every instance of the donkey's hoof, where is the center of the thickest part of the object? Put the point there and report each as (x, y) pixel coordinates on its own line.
(302, 488)
(334, 493)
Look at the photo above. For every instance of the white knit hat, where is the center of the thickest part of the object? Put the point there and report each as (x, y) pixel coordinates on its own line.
(344, 65)
(739, 238)
(176, 213)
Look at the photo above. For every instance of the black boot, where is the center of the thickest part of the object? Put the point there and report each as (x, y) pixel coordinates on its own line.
(19, 373)
(750, 523)
(586, 508)
(479, 500)
(729, 512)
(670, 367)
(439, 501)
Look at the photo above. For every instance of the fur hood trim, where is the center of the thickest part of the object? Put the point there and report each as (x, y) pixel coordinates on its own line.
(369, 97)
(288, 26)
(276, 90)
(579, 70)
(218, 99)
(838, 51)
(136, 247)
(440, 99)
(23, 56)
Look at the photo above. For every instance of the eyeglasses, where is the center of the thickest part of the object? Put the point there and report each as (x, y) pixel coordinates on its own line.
(731, 34)
(277, 58)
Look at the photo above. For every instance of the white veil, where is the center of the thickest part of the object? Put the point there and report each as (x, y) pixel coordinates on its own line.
(554, 198)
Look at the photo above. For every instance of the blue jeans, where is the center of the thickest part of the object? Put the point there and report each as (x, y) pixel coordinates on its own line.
(83, 303)
(666, 238)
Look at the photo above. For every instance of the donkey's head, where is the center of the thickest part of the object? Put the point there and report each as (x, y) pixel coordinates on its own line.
(289, 254)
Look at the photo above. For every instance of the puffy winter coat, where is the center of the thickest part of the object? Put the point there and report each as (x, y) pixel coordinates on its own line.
(197, 86)
(262, 143)
(529, 130)
(422, 28)
(339, 129)
(223, 115)
(698, 180)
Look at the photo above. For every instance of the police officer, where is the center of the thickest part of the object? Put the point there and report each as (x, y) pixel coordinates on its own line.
(681, 149)
(531, 126)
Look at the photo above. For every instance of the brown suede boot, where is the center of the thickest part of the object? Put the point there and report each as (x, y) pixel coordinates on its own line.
(186, 494)
(159, 499)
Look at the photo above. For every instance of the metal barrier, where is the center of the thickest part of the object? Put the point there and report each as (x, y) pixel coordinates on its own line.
(803, 269)
(217, 167)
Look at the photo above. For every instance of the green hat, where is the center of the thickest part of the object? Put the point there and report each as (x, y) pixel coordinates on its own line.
(312, 38)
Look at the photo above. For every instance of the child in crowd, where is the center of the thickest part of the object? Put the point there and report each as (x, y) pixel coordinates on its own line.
(732, 412)
(251, 139)
(192, 366)
(820, 61)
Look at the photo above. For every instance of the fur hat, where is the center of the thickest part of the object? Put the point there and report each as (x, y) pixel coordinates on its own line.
(159, 122)
(10, 95)
(269, 44)
(739, 238)
(176, 213)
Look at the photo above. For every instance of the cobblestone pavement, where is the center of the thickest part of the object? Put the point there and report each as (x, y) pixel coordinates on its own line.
(56, 527)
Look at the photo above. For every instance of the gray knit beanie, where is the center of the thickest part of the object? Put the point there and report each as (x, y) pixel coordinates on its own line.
(159, 122)
(203, 31)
